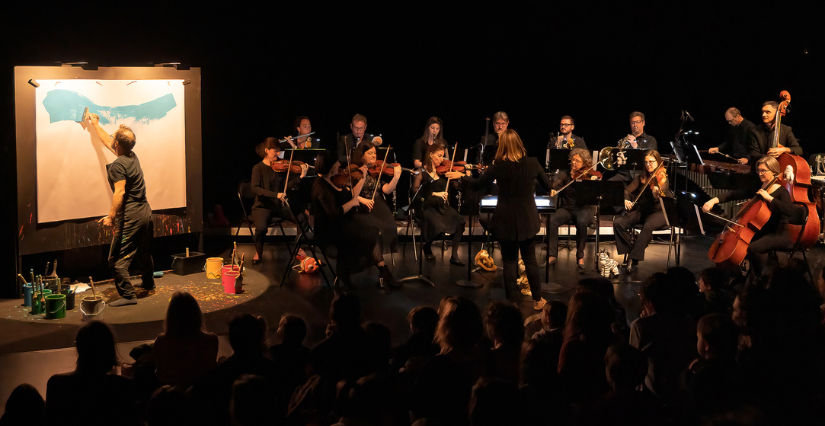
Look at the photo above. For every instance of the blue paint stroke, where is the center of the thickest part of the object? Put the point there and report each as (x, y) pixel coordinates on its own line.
(68, 105)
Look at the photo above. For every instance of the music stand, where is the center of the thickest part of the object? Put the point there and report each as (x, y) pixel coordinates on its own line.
(559, 159)
(634, 159)
(601, 193)
(415, 201)
(671, 213)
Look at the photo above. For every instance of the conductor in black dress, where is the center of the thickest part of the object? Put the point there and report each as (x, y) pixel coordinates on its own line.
(515, 221)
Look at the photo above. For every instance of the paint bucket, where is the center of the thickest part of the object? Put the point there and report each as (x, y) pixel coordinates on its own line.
(27, 294)
(69, 299)
(227, 268)
(37, 308)
(213, 268)
(91, 305)
(56, 306)
(229, 281)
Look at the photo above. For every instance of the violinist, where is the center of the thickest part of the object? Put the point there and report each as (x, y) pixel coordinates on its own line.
(566, 138)
(739, 133)
(303, 126)
(647, 209)
(357, 239)
(435, 211)
(433, 135)
(582, 216)
(515, 221)
(270, 194)
(773, 235)
(761, 141)
(372, 196)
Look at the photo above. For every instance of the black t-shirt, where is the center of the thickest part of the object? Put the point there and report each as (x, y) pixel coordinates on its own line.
(127, 167)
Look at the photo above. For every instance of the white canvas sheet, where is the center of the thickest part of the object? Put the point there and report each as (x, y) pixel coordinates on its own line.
(71, 160)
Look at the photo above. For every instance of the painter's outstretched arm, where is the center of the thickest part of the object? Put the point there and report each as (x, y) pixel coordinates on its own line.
(104, 137)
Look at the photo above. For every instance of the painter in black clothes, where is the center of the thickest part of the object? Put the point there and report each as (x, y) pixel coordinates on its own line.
(270, 194)
(130, 215)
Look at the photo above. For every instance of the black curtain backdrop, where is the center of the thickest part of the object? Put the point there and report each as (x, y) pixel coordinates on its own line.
(400, 63)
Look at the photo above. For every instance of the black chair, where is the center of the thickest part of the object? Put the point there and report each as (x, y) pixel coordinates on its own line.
(675, 243)
(800, 218)
(299, 199)
(246, 197)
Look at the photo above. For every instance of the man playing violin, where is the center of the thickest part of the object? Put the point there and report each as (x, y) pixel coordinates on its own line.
(582, 216)
(739, 134)
(566, 138)
(761, 140)
(773, 234)
(270, 194)
(652, 184)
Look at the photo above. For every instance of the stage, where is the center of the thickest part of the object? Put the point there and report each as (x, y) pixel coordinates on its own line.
(33, 348)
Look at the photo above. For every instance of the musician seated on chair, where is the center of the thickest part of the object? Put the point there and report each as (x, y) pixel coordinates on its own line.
(739, 133)
(433, 135)
(501, 121)
(637, 139)
(348, 142)
(647, 209)
(270, 195)
(582, 216)
(773, 235)
(566, 138)
(761, 141)
(303, 126)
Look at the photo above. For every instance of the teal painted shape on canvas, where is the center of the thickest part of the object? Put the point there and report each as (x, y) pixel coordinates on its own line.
(68, 105)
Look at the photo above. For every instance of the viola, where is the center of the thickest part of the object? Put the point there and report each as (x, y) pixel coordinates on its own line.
(281, 166)
(388, 169)
(344, 175)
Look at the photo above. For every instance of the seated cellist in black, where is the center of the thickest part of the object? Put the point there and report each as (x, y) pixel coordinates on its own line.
(434, 211)
(582, 216)
(773, 235)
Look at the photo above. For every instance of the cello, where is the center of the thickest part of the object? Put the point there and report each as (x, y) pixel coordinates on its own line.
(796, 178)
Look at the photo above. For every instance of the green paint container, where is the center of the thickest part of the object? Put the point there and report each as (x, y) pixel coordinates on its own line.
(56, 306)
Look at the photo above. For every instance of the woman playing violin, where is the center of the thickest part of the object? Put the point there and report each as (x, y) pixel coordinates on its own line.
(270, 194)
(357, 239)
(582, 216)
(435, 211)
(372, 194)
(773, 235)
(647, 209)
(515, 221)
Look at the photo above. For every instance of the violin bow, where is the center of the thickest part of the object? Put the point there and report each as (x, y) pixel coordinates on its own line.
(380, 172)
(573, 180)
(455, 149)
(288, 171)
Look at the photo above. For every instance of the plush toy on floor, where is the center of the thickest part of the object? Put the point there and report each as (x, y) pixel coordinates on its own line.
(522, 282)
(607, 265)
(484, 261)
(306, 265)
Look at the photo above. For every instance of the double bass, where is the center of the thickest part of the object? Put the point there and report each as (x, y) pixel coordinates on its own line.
(796, 178)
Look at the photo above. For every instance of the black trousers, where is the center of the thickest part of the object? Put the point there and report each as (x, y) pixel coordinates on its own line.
(623, 227)
(261, 218)
(133, 238)
(581, 216)
(761, 245)
(509, 254)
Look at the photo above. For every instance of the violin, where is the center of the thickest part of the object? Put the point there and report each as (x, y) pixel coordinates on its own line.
(388, 169)
(588, 174)
(342, 178)
(281, 166)
(457, 166)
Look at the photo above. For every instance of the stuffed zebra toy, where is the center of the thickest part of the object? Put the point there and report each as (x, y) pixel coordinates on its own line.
(607, 265)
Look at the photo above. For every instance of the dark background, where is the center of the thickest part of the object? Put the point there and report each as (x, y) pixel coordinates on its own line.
(400, 63)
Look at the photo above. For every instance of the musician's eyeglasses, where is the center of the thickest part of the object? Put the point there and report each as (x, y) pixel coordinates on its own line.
(636, 122)
(565, 124)
(762, 172)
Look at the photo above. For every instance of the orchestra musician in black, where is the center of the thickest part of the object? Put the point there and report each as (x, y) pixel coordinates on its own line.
(647, 209)
(435, 211)
(582, 216)
(348, 142)
(515, 221)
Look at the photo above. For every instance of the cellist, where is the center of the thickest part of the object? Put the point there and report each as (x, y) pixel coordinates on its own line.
(773, 235)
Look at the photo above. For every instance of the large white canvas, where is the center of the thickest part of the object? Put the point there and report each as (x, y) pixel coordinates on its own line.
(71, 160)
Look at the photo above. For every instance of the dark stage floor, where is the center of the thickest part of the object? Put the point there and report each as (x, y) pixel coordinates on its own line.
(32, 349)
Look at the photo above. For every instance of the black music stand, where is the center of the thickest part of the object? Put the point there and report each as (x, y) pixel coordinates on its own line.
(634, 159)
(469, 281)
(559, 159)
(415, 201)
